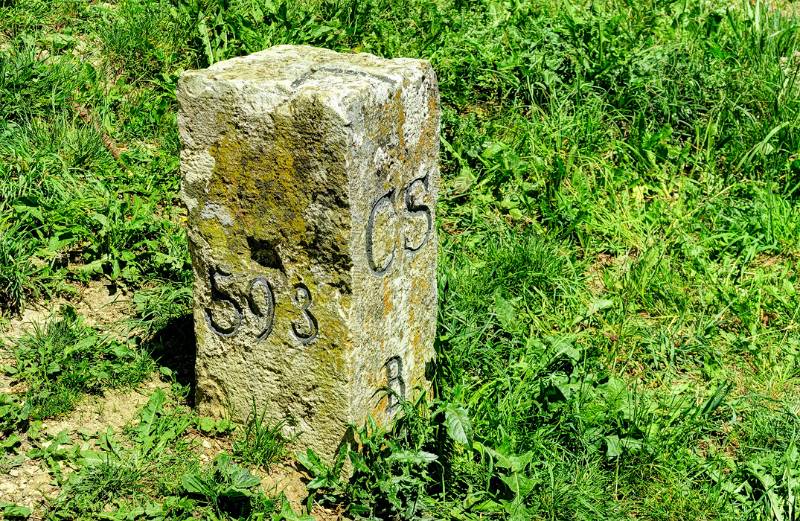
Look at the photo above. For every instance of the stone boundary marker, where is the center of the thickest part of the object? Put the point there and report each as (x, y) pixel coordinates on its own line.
(311, 180)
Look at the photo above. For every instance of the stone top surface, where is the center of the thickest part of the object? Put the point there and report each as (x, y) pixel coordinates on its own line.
(292, 68)
(273, 79)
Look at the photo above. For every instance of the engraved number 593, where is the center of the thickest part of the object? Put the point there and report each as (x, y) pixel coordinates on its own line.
(258, 309)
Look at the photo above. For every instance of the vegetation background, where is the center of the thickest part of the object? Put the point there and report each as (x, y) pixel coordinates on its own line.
(620, 245)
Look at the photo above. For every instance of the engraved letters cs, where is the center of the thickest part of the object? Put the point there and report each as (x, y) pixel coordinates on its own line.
(411, 194)
(257, 309)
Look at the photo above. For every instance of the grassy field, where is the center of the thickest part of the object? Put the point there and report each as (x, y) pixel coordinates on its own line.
(620, 246)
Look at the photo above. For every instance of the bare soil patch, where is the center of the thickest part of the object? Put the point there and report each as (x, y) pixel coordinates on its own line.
(28, 482)
(102, 305)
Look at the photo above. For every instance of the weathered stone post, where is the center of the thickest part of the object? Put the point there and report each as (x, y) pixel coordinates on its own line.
(311, 180)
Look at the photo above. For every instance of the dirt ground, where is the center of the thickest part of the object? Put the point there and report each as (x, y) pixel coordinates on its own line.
(28, 481)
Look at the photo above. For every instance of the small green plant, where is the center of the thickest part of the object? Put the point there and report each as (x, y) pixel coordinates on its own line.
(14, 412)
(214, 427)
(158, 427)
(51, 450)
(391, 470)
(225, 485)
(14, 511)
(324, 477)
(260, 442)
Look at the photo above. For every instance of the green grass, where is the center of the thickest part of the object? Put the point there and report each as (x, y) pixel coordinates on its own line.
(620, 246)
(58, 363)
(260, 443)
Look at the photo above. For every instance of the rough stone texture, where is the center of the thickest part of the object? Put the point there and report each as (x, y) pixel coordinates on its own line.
(311, 180)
